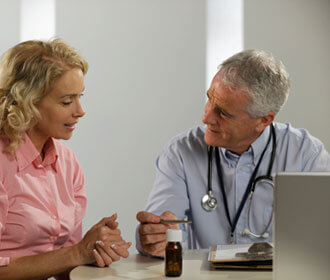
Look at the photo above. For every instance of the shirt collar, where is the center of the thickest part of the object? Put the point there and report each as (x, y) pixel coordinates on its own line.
(230, 158)
(256, 149)
(27, 154)
(51, 154)
(259, 144)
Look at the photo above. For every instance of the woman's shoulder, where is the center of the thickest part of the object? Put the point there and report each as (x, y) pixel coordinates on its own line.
(7, 161)
(4, 156)
(3, 145)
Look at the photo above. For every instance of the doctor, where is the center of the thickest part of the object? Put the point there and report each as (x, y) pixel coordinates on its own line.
(208, 173)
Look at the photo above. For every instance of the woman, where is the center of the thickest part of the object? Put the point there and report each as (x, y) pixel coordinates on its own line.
(42, 191)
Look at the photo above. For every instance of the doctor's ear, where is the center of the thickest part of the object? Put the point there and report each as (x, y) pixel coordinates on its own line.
(265, 121)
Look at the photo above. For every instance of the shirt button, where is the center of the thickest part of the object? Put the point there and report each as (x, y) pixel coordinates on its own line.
(52, 238)
(54, 217)
(245, 168)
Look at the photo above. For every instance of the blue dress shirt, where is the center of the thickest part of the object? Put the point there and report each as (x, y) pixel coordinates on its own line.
(181, 182)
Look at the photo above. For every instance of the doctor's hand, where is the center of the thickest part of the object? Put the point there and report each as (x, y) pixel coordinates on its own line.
(152, 233)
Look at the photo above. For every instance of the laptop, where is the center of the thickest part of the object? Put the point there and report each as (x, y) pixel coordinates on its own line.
(302, 226)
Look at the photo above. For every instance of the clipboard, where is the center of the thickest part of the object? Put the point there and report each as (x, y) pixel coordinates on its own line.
(252, 256)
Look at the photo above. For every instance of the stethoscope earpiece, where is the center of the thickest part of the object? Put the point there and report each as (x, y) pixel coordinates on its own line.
(248, 232)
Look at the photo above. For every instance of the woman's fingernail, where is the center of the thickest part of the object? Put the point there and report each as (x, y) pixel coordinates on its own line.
(113, 246)
(100, 242)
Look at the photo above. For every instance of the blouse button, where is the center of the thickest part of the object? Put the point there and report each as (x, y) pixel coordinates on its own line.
(54, 217)
(52, 238)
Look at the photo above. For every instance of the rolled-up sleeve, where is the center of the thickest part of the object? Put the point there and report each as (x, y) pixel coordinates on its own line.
(169, 192)
(170, 188)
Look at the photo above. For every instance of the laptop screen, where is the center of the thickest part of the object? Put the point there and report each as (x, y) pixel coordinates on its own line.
(302, 226)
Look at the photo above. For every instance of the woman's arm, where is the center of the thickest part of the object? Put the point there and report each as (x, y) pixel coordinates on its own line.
(62, 260)
(43, 265)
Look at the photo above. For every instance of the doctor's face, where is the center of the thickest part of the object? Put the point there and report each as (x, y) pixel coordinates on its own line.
(228, 123)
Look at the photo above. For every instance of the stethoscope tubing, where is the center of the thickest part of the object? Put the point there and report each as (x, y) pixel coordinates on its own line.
(249, 189)
(209, 170)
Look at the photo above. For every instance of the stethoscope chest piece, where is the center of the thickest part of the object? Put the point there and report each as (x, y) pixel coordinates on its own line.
(209, 202)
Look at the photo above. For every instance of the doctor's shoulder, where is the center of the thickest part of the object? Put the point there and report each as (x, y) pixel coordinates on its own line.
(299, 141)
(189, 141)
(291, 136)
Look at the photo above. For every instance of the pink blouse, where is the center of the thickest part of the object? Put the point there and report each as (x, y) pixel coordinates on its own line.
(42, 202)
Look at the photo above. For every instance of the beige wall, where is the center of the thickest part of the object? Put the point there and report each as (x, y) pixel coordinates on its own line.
(9, 24)
(297, 32)
(145, 84)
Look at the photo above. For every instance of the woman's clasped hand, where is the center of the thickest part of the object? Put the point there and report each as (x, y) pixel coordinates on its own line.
(103, 243)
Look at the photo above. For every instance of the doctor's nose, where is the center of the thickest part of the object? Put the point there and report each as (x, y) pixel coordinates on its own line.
(208, 117)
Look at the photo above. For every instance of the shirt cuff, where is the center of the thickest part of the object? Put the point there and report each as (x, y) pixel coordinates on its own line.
(4, 261)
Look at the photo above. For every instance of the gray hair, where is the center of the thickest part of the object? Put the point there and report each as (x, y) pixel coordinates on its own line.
(261, 76)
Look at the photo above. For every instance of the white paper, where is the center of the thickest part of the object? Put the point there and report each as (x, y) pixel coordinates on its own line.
(229, 251)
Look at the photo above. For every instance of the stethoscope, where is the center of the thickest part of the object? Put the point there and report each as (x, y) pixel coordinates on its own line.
(209, 202)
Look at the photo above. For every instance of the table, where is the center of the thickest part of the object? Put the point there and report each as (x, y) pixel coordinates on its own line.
(195, 266)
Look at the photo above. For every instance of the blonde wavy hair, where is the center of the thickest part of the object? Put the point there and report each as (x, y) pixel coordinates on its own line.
(28, 72)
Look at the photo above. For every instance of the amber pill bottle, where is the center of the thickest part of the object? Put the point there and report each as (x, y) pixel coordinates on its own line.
(173, 253)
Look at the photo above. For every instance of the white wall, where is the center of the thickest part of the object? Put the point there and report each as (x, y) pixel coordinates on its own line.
(224, 33)
(37, 19)
(297, 32)
(146, 83)
(9, 24)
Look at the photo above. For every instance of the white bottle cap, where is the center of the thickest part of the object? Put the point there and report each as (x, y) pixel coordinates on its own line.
(174, 235)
